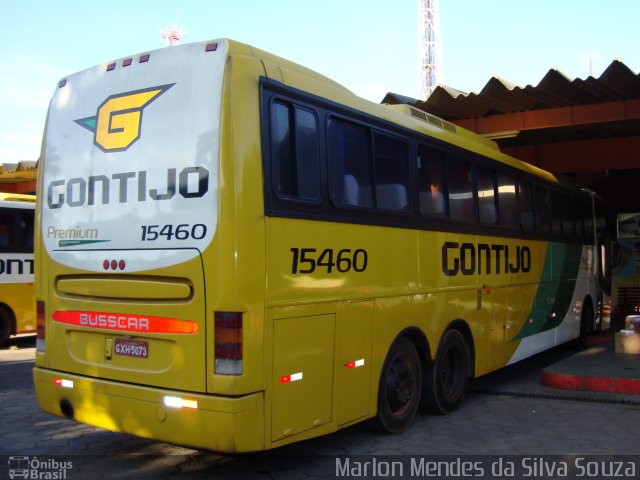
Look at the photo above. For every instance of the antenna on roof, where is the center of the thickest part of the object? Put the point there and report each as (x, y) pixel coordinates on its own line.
(172, 35)
(590, 61)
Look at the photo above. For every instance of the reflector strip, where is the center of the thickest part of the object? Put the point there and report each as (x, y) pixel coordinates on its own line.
(63, 382)
(177, 402)
(126, 322)
(357, 363)
(294, 377)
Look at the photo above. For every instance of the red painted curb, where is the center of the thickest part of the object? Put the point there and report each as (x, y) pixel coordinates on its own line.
(591, 384)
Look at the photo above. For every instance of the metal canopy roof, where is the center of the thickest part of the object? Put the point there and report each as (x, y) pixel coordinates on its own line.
(18, 171)
(586, 128)
(18, 177)
(618, 87)
(617, 82)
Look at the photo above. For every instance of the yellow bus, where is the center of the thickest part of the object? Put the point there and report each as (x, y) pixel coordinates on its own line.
(235, 253)
(17, 296)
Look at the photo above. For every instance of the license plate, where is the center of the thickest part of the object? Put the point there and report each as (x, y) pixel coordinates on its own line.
(131, 348)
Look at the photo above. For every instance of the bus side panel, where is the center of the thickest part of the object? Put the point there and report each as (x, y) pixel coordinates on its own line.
(353, 362)
(315, 261)
(302, 374)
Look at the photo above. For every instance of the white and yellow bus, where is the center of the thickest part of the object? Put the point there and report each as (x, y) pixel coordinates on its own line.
(17, 295)
(235, 253)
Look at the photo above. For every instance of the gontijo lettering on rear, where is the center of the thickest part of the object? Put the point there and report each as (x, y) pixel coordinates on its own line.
(152, 159)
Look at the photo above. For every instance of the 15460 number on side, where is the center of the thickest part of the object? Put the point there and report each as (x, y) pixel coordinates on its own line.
(308, 260)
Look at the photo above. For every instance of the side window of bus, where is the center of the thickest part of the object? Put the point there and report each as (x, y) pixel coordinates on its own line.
(556, 212)
(460, 181)
(391, 167)
(487, 196)
(587, 215)
(7, 235)
(543, 219)
(431, 182)
(568, 225)
(577, 215)
(349, 157)
(26, 227)
(507, 206)
(525, 197)
(295, 155)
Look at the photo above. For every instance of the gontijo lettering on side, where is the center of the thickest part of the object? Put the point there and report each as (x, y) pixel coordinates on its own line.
(465, 258)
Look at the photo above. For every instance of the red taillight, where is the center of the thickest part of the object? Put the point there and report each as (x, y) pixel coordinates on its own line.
(40, 326)
(228, 343)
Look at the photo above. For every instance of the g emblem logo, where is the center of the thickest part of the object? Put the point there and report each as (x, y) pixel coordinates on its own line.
(117, 124)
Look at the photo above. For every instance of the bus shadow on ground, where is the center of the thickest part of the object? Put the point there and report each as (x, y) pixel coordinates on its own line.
(20, 342)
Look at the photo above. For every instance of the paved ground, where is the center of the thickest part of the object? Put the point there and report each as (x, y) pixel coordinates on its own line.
(507, 413)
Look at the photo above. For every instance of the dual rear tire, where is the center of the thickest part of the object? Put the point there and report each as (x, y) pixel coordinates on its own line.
(446, 379)
(406, 383)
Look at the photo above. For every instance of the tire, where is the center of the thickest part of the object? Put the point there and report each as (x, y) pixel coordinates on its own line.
(5, 327)
(445, 380)
(399, 388)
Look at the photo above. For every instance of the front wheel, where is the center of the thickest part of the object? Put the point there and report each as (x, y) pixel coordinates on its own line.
(445, 380)
(399, 388)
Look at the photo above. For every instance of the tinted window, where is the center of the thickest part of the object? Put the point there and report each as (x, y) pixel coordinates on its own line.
(487, 196)
(349, 153)
(431, 182)
(587, 215)
(26, 229)
(525, 196)
(391, 166)
(568, 226)
(577, 215)
(7, 234)
(460, 183)
(543, 219)
(294, 152)
(507, 206)
(556, 212)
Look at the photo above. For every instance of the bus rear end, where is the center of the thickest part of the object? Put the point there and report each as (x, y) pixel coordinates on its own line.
(128, 204)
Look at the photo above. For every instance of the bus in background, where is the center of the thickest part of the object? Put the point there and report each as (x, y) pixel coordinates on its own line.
(235, 253)
(17, 296)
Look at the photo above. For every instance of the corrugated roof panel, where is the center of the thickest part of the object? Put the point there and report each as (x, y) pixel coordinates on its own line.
(555, 89)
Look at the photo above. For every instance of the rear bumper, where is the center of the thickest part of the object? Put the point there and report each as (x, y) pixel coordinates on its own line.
(220, 424)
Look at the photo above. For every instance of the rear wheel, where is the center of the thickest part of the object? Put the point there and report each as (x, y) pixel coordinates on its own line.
(399, 388)
(5, 327)
(445, 380)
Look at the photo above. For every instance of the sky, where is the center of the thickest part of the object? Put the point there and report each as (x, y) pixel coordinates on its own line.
(369, 46)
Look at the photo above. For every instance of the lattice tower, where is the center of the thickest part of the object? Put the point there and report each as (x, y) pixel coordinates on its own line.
(429, 47)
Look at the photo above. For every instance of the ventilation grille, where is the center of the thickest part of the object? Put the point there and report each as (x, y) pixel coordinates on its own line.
(433, 120)
(479, 299)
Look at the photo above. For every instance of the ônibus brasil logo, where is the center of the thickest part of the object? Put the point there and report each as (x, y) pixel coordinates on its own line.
(117, 123)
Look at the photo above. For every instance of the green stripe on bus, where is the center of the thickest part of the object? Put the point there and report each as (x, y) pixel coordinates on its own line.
(555, 291)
